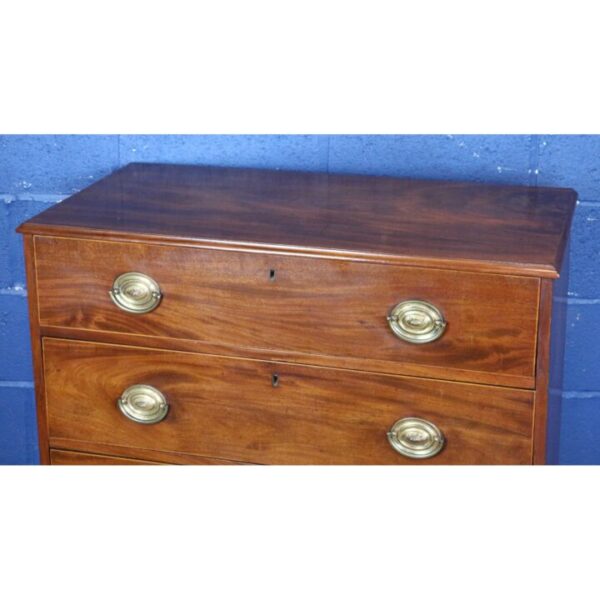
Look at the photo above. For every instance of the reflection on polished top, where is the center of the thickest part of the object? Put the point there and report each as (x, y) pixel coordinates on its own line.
(465, 226)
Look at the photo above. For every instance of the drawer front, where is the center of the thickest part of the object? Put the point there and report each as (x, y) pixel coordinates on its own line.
(269, 412)
(297, 308)
(65, 457)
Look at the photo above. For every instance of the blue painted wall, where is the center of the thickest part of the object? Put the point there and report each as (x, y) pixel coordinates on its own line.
(37, 171)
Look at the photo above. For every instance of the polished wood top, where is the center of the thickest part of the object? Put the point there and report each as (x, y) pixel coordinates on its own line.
(465, 226)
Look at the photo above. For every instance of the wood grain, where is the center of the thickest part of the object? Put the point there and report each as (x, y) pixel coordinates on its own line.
(149, 455)
(303, 309)
(543, 375)
(36, 349)
(338, 362)
(294, 273)
(66, 457)
(229, 408)
(550, 365)
(464, 226)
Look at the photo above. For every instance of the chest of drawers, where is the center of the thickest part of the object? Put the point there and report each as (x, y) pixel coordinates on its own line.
(197, 315)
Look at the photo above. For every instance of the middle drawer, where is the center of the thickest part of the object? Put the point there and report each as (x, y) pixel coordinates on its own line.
(310, 310)
(267, 412)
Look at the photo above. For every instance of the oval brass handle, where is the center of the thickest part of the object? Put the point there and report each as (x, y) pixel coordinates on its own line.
(143, 404)
(416, 438)
(417, 322)
(135, 293)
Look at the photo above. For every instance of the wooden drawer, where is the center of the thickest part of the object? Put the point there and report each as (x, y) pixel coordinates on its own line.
(66, 457)
(312, 310)
(89, 452)
(268, 412)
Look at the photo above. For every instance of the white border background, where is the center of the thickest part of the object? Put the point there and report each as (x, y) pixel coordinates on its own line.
(310, 66)
(298, 67)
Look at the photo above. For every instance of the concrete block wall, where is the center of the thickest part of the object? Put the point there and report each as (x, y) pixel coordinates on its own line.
(37, 171)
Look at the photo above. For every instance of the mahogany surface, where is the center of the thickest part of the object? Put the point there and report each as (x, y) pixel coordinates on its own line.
(93, 448)
(36, 348)
(293, 274)
(464, 226)
(550, 365)
(310, 307)
(67, 457)
(229, 408)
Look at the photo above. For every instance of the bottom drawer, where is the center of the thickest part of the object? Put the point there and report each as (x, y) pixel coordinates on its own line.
(66, 457)
(268, 412)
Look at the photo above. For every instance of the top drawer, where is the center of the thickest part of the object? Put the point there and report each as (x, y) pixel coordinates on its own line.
(323, 311)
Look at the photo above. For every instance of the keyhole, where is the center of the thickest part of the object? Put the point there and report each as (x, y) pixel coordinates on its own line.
(271, 274)
(275, 380)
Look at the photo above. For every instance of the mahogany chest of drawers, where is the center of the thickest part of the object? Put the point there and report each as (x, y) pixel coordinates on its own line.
(198, 315)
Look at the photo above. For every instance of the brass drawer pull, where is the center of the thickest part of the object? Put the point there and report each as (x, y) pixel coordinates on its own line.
(143, 404)
(416, 438)
(135, 293)
(417, 322)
